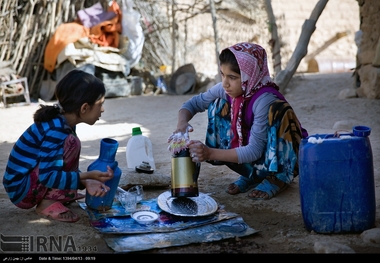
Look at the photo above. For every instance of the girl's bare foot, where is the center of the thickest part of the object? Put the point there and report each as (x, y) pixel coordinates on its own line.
(233, 189)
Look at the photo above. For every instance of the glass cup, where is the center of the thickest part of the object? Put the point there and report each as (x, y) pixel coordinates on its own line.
(138, 191)
(128, 201)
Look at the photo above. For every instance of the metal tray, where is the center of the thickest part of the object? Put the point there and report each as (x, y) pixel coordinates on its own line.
(202, 205)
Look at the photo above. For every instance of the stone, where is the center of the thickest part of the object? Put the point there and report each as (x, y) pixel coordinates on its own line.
(328, 247)
(130, 177)
(371, 236)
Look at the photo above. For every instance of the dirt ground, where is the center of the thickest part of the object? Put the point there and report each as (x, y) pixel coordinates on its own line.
(279, 220)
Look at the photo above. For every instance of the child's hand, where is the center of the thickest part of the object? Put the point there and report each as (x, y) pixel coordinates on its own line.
(104, 176)
(98, 175)
(95, 188)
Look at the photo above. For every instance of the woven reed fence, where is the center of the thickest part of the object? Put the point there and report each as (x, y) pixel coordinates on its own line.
(27, 26)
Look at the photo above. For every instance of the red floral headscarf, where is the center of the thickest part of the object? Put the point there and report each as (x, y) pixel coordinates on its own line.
(252, 60)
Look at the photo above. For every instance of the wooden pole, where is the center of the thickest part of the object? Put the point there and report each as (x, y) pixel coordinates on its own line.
(275, 41)
(308, 28)
(174, 32)
(213, 16)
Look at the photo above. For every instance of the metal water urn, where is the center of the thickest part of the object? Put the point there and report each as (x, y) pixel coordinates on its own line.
(184, 175)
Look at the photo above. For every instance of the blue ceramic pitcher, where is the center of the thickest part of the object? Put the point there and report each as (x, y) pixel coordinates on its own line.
(108, 149)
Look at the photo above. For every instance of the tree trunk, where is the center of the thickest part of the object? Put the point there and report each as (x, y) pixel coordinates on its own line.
(308, 28)
(275, 41)
(213, 15)
(174, 32)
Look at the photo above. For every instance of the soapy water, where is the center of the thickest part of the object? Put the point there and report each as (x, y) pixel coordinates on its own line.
(315, 140)
(178, 141)
(320, 140)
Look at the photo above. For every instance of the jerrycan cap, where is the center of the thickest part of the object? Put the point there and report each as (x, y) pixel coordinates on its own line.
(361, 131)
(136, 131)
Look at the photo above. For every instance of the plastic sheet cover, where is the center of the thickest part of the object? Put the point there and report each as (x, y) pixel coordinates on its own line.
(123, 234)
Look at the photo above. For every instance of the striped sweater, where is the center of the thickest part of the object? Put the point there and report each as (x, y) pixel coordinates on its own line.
(41, 144)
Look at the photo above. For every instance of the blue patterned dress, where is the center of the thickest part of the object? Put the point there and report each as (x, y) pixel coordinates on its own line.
(284, 135)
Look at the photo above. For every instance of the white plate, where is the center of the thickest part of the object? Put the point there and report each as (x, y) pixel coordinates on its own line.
(144, 216)
(201, 205)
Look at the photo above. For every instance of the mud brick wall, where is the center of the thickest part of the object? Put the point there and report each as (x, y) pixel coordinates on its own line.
(339, 17)
(250, 23)
(368, 59)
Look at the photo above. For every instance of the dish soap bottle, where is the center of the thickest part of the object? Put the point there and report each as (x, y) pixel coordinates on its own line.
(139, 150)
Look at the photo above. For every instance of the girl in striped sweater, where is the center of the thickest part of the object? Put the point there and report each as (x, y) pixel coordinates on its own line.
(43, 166)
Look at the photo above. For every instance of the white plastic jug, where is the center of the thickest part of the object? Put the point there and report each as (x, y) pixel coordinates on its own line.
(139, 150)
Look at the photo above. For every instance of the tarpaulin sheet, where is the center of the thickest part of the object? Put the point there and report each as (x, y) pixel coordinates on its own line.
(230, 228)
(123, 234)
